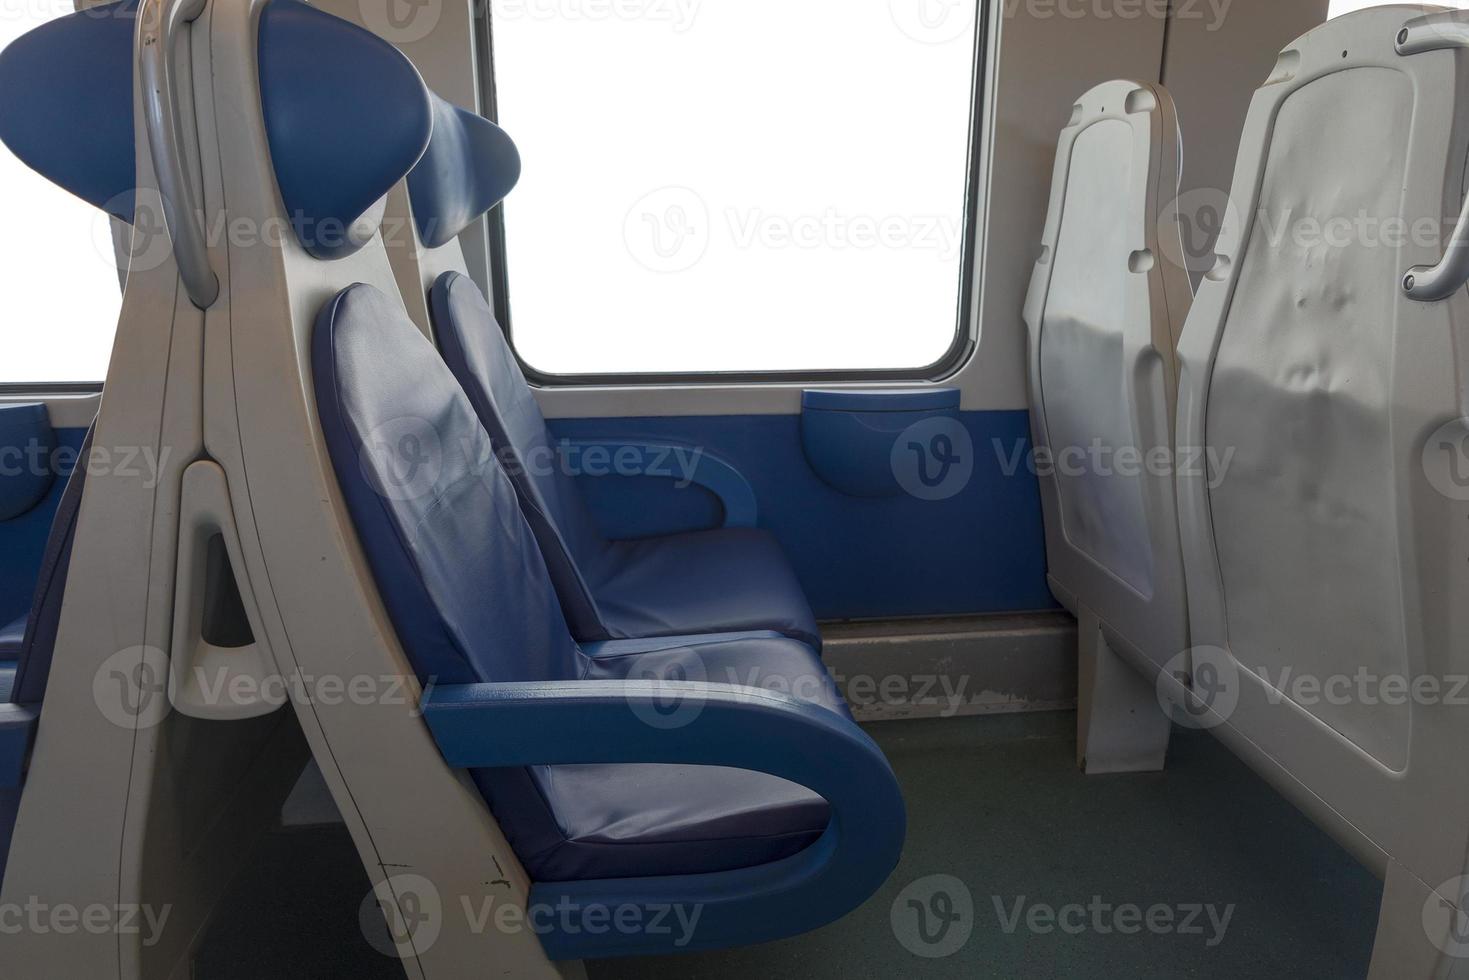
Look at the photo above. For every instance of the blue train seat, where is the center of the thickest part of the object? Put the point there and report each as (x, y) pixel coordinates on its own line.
(467, 587)
(753, 794)
(731, 578)
(755, 797)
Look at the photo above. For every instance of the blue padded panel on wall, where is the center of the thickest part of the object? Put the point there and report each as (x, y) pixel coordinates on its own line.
(74, 124)
(852, 438)
(346, 115)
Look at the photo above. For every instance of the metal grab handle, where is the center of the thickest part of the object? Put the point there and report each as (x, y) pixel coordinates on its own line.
(1431, 283)
(158, 28)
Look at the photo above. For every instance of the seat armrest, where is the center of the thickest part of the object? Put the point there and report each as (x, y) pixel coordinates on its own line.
(686, 723)
(669, 460)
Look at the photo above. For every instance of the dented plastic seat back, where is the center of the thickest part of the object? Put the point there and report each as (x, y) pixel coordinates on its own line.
(1107, 301)
(1323, 372)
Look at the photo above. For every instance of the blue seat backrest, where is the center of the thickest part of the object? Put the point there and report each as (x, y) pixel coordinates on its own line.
(447, 195)
(33, 666)
(457, 567)
(476, 351)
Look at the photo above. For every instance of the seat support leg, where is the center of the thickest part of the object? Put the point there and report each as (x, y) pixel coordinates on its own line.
(1120, 727)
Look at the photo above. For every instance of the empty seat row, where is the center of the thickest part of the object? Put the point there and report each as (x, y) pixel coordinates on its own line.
(473, 602)
(546, 654)
(1282, 561)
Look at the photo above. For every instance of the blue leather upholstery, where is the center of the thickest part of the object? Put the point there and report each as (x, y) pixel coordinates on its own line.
(33, 664)
(448, 196)
(9, 807)
(638, 821)
(76, 129)
(11, 638)
(726, 579)
(27, 440)
(341, 134)
(632, 821)
(568, 537)
(711, 581)
(607, 722)
(754, 659)
(471, 600)
(457, 568)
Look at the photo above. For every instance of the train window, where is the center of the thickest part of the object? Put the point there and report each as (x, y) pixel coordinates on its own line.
(736, 189)
(1339, 7)
(57, 269)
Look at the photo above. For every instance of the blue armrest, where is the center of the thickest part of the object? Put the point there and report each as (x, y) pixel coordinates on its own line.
(709, 472)
(17, 731)
(592, 722)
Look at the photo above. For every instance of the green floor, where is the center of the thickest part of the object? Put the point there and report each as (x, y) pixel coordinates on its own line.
(1066, 876)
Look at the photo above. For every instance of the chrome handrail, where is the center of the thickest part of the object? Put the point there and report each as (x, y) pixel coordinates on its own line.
(159, 23)
(1431, 283)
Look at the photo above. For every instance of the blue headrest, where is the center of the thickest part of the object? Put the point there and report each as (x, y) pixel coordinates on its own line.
(346, 115)
(67, 109)
(470, 165)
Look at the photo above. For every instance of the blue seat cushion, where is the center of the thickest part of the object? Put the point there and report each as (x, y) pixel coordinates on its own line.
(11, 637)
(706, 582)
(573, 823)
(718, 581)
(7, 682)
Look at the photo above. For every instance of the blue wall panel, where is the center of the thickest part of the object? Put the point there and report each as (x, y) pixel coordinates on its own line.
(979, 551)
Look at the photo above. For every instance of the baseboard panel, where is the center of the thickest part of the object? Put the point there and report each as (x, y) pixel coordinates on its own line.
(945, 668)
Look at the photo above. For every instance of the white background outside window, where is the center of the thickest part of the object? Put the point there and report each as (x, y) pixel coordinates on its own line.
(1339, 7)
(59, 293)
(760, 185)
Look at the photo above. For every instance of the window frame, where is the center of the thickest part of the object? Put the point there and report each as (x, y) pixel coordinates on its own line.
(962, 348)
(41, 388)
